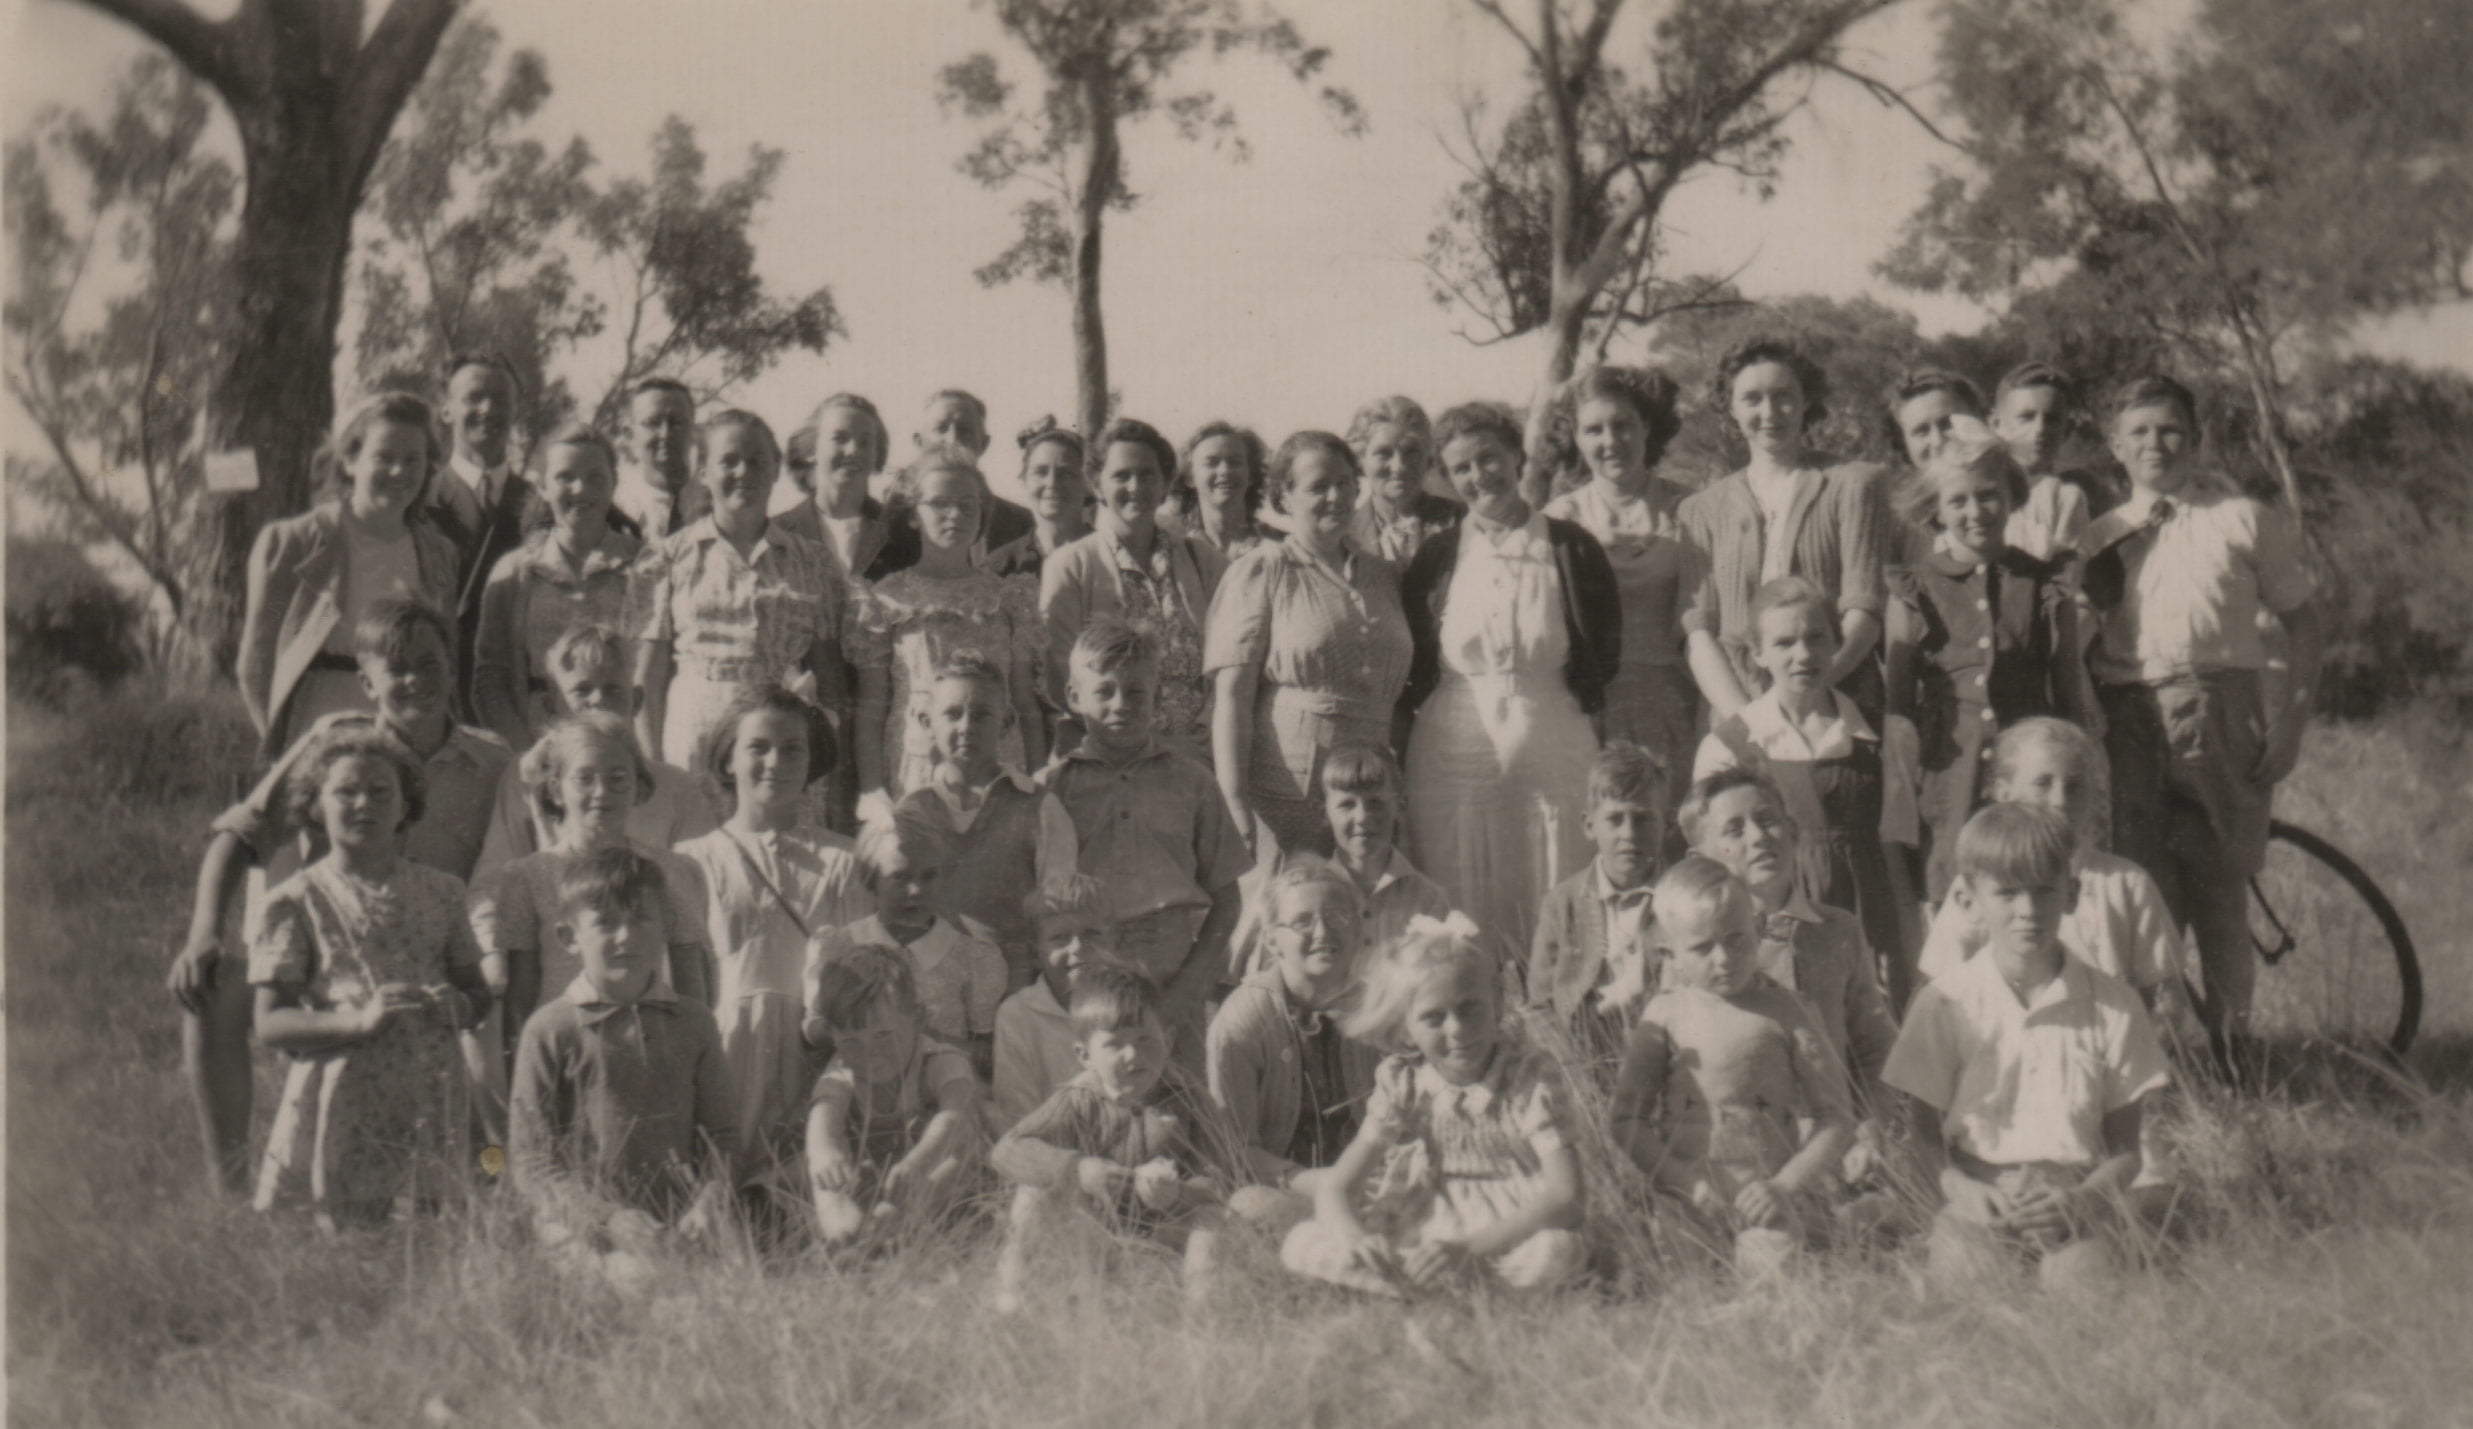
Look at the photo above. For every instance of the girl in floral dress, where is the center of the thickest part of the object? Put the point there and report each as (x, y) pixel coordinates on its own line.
(365, 970)
(907, 624)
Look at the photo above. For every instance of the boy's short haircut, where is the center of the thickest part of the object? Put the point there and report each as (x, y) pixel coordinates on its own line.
(617, 882)
(1493, 419)
(1696, 884)
(1694, 813)
(2147, 390)
(2034, 374)
(1624, 773)
(721, 742)
(1076, 895)
(308, 774)
(881, 838)
(1794, 593)
(975, 666)
(1111, 647)
(579, 434)
(568, 737)
(1112, 998)
(2016, 846)
(1973, 451)
(1359, 769)
(1307, 870)
(388, 627)
(856, 982)
(586, 647)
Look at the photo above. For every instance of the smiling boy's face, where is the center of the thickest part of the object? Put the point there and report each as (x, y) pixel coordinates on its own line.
(1362, 822)
(620, 949)
(1113, 705)
(410, 687)
(1126, 1062)
(1069, 942)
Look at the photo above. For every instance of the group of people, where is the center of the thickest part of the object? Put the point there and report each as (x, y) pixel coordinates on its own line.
(1242, 844)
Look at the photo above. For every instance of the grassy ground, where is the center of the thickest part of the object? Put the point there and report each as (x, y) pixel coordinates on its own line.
(2327, 1277)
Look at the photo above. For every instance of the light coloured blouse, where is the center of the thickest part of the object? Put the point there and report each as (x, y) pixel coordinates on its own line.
(1504, 613)
(1332, 648)
(736, 618)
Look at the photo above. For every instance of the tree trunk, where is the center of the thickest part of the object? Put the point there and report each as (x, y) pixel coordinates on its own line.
(1096, 191)
(1566, 321)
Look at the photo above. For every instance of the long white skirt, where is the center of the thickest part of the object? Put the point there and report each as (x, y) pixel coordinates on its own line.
(1498, 775)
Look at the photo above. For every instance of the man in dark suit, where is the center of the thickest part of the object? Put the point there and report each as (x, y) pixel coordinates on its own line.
(476, 498)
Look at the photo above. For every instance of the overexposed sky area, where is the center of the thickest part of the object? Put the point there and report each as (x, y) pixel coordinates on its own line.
(1280, 292)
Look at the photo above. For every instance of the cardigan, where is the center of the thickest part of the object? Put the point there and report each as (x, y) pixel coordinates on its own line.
(295, 597)
(1592, 616)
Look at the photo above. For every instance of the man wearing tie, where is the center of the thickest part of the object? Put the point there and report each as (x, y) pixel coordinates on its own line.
(657, 492)
(477, 499)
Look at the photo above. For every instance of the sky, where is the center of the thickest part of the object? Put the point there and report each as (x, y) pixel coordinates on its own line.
(1280, 292)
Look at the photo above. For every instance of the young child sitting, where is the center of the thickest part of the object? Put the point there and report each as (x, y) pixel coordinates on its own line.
(1730, 1097)
(1010, 837)
(1738, 819)
(405, 654)
(893, 1130)
(954, 963)
(774, 883)
(364, 970)
(1588, 966)
(587, 669)
(1361, 803)
(1034, 1033)
(1129, 1140)
(2029, 1069)
(1276, 1057)
(1850, 790)
(1152, 828)
(1462, 1168)
(620, 1118)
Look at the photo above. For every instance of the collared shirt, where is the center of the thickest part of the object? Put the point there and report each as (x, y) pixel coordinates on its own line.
(2196, 578)
(1057, 851)
(1035, 1053)
(618, 1103)
(1396, 540)
(1504, 612)
(755, 615)
(2119, 925)
(534, 597)
(1176, 1120)
(1330, 645)
(1152, 828)
(516, 910)
(466, 488)
(2027, 1082)
(658, 512)
(1788, 749)
(1820, 954)
(960, 977)
(462, 787)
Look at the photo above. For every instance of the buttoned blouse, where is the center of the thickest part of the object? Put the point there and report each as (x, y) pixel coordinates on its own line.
(1835, 533)
(1335, 641)
(1504, 613)
(744, 617)
(2194, 577)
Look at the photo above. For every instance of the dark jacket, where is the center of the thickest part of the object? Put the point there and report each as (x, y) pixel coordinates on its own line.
(1592, 614)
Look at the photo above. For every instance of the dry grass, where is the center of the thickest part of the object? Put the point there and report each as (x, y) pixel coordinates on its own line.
(2323, 1278)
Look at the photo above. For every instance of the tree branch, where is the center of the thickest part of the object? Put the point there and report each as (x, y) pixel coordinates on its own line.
(201, 45)
(384, 73)
(1495, 12)
(1891, 96)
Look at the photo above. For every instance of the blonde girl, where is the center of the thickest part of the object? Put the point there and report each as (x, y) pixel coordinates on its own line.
(774, 886)
(1981, 634)
(731, 601)
(1462, 1169)
(569, 574)
(913, 620)
(311, 577)
(364, 970)
(584, 776)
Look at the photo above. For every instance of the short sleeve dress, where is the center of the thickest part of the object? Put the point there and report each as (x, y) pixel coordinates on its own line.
(730, 620)
(1459, 1158)
(384, 1117)
(910, 623)
(1332, 649)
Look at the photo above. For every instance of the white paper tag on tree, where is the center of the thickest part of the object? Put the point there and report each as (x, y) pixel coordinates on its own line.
(232, 471)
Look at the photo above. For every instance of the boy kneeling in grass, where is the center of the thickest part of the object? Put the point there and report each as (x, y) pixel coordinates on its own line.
(620, 1123)
(878, 1157)
(2029, 1068)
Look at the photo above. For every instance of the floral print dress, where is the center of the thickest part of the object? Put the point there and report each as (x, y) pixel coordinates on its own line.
(913, 623)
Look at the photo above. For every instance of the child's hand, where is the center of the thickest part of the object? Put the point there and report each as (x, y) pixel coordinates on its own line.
(830, 1170)
(1762, 1203)
(1864, 1156)
(191, 979)
(1102, 1180)
(389, 1001)
(1973, 1200)
(2046, 1210)
(1703, 1195)
(1156, 1185)
(1436, 1261)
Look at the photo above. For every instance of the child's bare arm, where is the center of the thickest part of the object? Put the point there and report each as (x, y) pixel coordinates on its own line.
(196, 967)
(1556, 1206)
(287, 1026)
(1333, 1198)
(1639, 1090)
(830, 1166)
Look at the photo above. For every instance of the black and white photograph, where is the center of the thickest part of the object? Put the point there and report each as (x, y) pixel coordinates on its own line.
(1238, 712)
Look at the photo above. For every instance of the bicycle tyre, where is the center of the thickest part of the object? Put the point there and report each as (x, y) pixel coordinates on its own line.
(2338, 963)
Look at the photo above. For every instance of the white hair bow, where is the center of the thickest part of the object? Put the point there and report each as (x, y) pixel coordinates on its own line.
(1456, 924)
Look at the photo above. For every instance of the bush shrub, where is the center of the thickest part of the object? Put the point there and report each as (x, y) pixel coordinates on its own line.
(68, 625)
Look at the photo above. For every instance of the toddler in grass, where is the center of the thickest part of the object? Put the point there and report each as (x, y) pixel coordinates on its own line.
(2029, 1069)
(1730, 1097)
(1130, 1144)
(893, 1132)
(364, 970)
(1461, 1170)
(620, 1120)
(775, 884)
(954, 963)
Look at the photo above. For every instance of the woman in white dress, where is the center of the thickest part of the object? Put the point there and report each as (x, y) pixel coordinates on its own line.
(1517, 624)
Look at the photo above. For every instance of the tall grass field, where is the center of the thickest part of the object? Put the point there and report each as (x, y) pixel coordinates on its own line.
(2321, 1272)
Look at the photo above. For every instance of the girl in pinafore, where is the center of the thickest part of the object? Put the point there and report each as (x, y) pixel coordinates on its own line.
(1463, 1168)
(774, 885)
(1981, 634)
(1614, 423)
(907, 624)
(365, 970)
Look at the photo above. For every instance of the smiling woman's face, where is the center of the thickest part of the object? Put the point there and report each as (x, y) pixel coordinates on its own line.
(1768, 404)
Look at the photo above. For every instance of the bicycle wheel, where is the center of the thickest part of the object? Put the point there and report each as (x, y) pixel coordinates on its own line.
(2337, 961)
